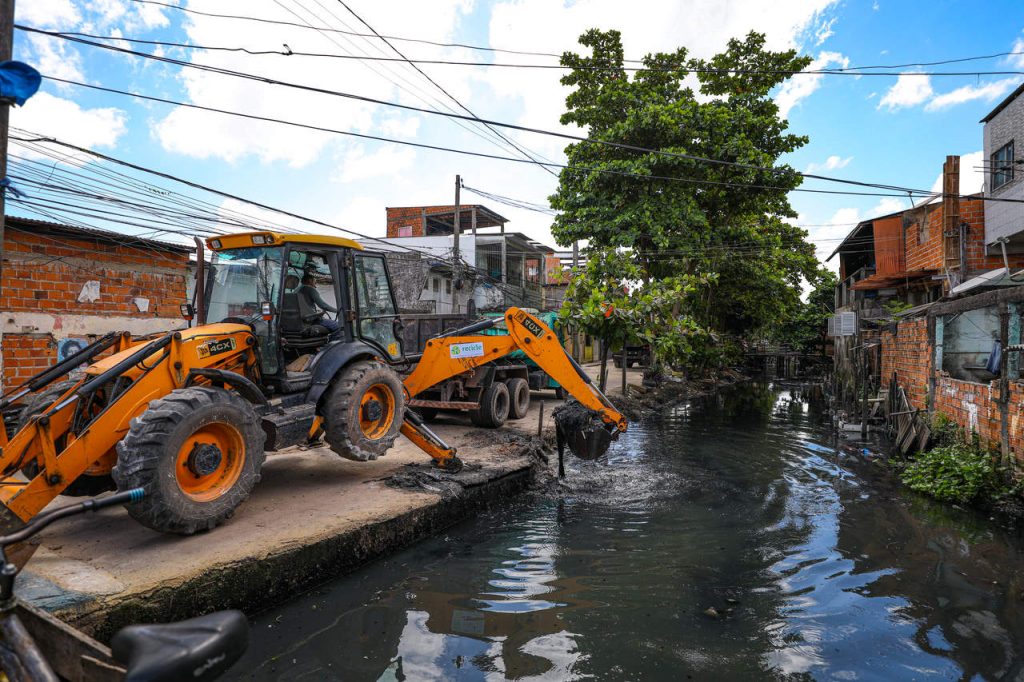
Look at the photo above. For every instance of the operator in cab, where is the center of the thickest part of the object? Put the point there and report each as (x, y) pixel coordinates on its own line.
(315, 300)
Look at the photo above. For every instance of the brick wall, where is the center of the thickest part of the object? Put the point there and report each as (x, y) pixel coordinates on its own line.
(972, 406)
(907, 354)
(924, 239)
(407, 221)
(25, 355)
(43, 275)
(975, 407)
(924, 248)
(409, 218)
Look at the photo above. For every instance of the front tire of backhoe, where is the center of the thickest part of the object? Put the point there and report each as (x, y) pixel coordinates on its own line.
(363, 411)
(197, 453)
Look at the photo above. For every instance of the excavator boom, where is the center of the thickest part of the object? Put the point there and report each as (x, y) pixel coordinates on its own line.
(464, 349)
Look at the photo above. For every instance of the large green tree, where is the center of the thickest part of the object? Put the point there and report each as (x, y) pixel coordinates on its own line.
(701, 216)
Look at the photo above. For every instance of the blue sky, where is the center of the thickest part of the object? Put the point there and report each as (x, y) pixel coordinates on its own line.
(880, 129)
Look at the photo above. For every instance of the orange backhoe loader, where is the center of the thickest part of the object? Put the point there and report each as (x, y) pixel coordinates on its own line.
(304, 342)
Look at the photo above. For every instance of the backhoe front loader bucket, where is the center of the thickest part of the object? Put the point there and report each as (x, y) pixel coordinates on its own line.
(583, 430)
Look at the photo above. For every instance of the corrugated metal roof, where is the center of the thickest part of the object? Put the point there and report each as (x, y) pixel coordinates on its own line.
(854, 233)
(108, 236)
(894, 279)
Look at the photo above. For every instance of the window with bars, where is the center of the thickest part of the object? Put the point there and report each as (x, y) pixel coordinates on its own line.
(1002, 165)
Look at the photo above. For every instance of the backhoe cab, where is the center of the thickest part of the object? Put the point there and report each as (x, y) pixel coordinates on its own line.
(296, 337)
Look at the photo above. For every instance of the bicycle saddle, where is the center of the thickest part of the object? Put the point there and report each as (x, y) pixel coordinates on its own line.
(196, 649)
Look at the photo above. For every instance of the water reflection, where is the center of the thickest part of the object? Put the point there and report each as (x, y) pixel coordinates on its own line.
(734, 538)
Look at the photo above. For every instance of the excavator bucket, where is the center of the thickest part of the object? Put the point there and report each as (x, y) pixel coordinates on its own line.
(580, 428)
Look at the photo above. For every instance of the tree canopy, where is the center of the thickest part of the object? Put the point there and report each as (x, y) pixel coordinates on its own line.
(695, 225)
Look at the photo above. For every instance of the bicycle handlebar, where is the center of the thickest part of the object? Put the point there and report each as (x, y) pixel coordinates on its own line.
(43, 520)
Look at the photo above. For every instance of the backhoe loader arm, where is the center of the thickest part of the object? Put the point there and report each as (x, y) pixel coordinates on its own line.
(460, 351)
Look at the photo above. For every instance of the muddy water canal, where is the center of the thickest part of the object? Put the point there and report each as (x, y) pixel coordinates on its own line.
(735, 539)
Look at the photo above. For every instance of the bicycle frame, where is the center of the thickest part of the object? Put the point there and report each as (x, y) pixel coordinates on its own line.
(35, 646)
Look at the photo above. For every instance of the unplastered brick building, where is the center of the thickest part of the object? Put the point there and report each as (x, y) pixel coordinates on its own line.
(64, 286)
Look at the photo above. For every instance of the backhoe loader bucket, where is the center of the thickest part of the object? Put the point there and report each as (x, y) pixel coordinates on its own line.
(579, 427)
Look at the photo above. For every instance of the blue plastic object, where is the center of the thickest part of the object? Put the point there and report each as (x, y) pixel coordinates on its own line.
(18, 82)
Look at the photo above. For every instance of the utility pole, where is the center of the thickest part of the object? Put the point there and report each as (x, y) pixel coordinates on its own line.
(456, 269)
(577, 338)
(6, 51)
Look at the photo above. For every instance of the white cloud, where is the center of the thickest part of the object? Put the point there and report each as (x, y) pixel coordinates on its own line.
(151, 16)
(825, 31)
(908, 91)
(400, 127)
(831, 163)
(358, 165)
(109, 11)
(799, 88)
(703, 26)
(48, 13)
(972, 174)
(208, 135)
(55, 58)
(1016, 60)
(968, 93)
(63, 119)
(888, 205)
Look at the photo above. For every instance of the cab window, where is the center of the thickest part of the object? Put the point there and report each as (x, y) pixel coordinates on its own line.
(374, 303)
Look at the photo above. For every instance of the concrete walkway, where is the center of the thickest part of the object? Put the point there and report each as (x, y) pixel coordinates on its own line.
(312, 517)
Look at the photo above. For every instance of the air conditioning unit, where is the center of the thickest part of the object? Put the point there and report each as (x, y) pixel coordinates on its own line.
(843, 324)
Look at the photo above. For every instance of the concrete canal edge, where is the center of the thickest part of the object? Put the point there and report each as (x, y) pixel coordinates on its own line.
(314, 518)
(252, 584)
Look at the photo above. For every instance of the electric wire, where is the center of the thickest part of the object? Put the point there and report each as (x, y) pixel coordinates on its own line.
(415, 91)
(903, 192)
(411, 63)
(481, 48)
(291, 52)
(659, 152)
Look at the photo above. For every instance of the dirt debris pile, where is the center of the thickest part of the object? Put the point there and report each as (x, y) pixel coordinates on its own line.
(427, 478)
(662, 393)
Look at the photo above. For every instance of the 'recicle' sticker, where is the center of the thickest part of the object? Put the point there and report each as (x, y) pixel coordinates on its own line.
(474, 349)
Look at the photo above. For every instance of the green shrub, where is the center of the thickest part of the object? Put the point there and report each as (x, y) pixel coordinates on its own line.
(954, 472)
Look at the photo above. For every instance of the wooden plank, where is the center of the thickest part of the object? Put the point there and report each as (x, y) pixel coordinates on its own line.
(73, 655)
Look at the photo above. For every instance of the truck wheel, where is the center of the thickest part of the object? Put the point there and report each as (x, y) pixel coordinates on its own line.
(494, 404)
(363, 411)
(89, 483)
(429, 414)
(519, 397)
(197, 452)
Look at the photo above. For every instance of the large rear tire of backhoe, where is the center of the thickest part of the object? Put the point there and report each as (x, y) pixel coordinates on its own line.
(88, 484)
(363, 411)
(197, 453)
(494, 405)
